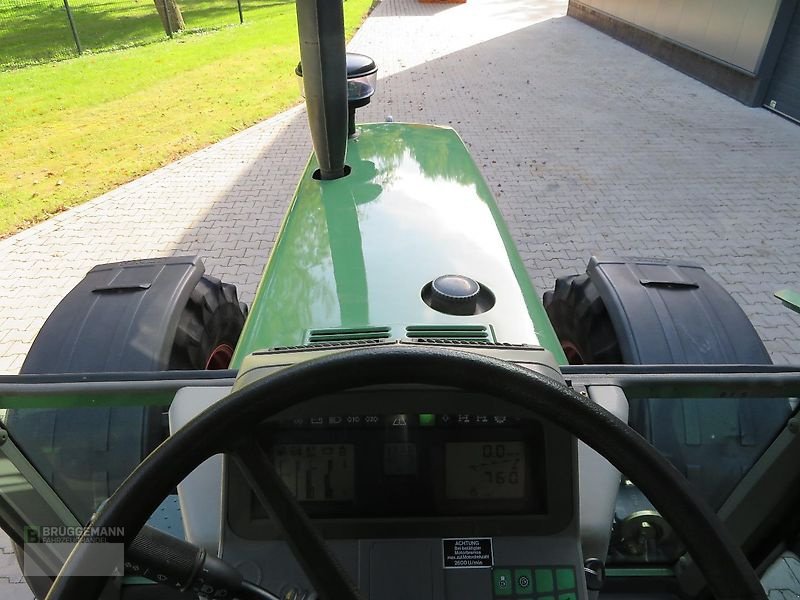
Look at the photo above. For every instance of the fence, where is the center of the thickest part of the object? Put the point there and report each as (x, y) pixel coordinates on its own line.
(34, 31)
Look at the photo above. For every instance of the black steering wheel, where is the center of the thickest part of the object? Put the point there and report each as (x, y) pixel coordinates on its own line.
(229, 426)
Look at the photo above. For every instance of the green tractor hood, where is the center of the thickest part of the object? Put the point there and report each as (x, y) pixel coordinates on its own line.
(355, 253)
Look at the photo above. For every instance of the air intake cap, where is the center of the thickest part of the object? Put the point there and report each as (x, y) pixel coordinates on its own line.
(457, 295)
(362, 77)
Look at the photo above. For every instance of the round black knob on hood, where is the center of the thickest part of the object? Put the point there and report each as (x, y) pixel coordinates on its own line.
(455, 289)
(457, 295)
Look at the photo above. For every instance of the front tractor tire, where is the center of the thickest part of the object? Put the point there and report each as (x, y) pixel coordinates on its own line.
(581, 322)
(209, 327)
(671, 312)
(86, 453)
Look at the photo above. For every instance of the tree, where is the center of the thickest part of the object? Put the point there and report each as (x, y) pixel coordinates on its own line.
(171, 16)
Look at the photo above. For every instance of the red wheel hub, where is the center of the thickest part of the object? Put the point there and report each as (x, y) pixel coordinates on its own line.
(573, 353)
(220, 358)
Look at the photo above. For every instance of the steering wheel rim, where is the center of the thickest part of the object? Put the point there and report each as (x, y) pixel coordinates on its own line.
(728, 574)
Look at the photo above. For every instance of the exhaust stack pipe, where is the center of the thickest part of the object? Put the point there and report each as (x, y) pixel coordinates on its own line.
(320, 24)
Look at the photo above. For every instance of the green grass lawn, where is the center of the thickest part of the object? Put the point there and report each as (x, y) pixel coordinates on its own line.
(74, 129)
(38, 30)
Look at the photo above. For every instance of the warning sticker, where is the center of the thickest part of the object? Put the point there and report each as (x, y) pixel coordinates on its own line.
(467, 553)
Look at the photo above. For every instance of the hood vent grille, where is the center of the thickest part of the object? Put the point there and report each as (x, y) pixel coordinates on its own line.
(344, 334)
(469, 334)
(449, 333)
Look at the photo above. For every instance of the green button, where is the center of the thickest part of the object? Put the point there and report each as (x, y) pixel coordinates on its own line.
(502, 582)
(523, 581)
(568, 596)
(565, 579)
(544, 580)
(427, 420)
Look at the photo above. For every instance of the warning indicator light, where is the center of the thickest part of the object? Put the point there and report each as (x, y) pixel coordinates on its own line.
(427, 420)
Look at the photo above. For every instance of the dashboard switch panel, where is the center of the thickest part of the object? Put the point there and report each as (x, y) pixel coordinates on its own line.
(536, 582)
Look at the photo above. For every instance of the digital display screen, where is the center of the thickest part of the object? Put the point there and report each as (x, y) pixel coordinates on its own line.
(317, 472)
(485, 470)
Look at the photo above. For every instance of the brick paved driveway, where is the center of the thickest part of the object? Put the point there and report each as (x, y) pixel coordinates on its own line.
(590, 147)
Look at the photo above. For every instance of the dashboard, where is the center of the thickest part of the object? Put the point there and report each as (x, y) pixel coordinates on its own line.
(406, 474)
(421, 492)
(410, 471)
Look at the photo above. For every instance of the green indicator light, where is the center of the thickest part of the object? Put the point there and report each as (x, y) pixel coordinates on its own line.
(566, 580)
(427, 420)
(523, 581)
(544, 580)
(502, 582)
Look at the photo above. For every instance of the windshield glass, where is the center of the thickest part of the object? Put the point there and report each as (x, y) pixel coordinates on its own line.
(713, 442)
(709, 440)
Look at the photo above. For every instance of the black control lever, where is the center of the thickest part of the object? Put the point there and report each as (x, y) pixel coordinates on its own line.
(595, 571)
(170, 561)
